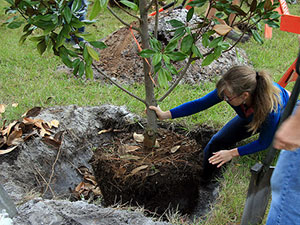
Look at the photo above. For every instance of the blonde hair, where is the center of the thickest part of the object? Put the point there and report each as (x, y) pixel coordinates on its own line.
(265, 96)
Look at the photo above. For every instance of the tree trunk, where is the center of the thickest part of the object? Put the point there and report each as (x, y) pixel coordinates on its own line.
(151, 129)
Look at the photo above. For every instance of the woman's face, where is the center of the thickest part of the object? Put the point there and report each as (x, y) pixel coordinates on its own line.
(233, 99)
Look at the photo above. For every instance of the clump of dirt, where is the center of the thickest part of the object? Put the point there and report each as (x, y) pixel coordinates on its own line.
(120, 60)
(166, 177)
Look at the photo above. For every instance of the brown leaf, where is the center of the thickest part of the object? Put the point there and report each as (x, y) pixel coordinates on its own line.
(79, 187)
(91, 179)
(14, 104)
(44, 132)
(105, 131)
(83, 170)
(14, 137)
(2, 152)
(28, 121)
(130, 148)
(58, 136)
(175, 148)
(32, 112)
(2, 108)
(129, 157)
(54, 123)
(29, 135)
(2, 141)
(51, 141)
(138, 137)
(222, 29)
(136, 170)
(7, 130)
(97, 191)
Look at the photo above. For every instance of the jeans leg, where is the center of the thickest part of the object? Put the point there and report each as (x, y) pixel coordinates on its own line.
(285, 183)
(233, 132)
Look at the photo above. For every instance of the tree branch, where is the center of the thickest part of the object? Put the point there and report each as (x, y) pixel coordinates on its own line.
(129, 13)
(178, 80)
(156, 19)
(118, 85)
(122, 21)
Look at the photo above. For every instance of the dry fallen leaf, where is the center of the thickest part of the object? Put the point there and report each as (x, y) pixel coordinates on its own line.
(51, 141)
(91, 179)
(44, 132)
(105, 131)
(2, 108)
(131, 148)
(222, 29)
(54, 123)
(32, 112)
(134, 171)
(14, 104)
(129, 157)
(138, 137)
(175, 148)
(7, 130)
(14, 137)
(2, 152)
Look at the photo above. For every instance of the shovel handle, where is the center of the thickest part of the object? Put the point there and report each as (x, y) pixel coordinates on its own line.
(287, 112)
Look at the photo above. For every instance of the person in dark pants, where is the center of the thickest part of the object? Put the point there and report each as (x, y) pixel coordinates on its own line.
(81, 15)
(258, 102)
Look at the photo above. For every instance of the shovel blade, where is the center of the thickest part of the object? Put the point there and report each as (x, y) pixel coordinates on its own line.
(257, 198)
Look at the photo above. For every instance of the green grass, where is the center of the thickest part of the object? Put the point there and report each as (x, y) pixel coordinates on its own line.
(31, 80)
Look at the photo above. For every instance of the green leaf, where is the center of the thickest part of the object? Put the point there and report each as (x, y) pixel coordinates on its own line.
(81, 69)
(157, 67)
(93, 53)
(187, 43)
(14, 24)
(217, 52)
(271, 23)
(162, 78)
(75, 64)
(64, 57)
(95, 10)
(197, 3)
(155, 44)
(147, 53)
(171, 46)
(190, 14)
(215, 42)
(196, 51)
(224, 45)
(179, 33)
(157, 58)
(171, 68)
(238, 10)
(89, 71)
(11, 2)
(205, 40)
(98, 44)
(66, 30)
(208, 60)
(175, 23)
(166, 58)
(67, 14)
(131, 5)
(76, 5)
(41, 47)
(103, 3)
(177, 56)
(257, 37)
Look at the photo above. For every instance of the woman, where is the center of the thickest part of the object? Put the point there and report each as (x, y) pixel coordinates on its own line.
(258, 103)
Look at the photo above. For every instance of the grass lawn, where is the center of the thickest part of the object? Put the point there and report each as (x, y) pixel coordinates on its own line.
(32, 80)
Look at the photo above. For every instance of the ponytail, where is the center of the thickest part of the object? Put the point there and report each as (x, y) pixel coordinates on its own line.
(265, 96)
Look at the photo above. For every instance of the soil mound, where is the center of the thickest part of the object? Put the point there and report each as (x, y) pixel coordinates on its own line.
(121, 61)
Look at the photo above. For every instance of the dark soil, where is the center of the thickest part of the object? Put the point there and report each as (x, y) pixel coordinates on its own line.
(156, 179)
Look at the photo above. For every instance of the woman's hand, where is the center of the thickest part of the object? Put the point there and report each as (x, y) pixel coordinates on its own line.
(161, 114)
(223, 156)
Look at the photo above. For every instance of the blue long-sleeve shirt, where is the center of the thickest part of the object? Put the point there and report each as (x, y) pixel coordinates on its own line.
(266, 131)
